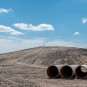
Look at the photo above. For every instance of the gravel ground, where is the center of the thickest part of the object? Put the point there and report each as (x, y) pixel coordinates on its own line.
(27, 68)
(20, 75)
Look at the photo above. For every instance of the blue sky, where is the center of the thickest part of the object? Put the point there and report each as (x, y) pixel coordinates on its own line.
(31, 23)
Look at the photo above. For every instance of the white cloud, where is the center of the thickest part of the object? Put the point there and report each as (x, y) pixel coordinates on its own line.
(14, 44)
(60, 43)
(76, 33)
(2, 10)
(41, 27)
(7, 29)
(66, 43)
(84, 20)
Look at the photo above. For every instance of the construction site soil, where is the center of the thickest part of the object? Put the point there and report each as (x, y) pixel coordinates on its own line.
(27, 68)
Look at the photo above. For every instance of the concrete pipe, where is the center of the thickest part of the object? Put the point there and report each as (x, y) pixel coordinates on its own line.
(53, 71)
(81, 71)
(66, 72)
(74, 68)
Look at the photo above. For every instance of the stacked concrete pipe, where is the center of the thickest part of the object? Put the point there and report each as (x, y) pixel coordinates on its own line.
(53, 71)
(67, 71)
(81, 71)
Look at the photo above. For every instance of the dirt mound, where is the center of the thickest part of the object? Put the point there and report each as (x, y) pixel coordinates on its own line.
(25, 68)
(44, 56)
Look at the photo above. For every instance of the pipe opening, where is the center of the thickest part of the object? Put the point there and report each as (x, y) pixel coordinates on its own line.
(66, 72)
(79, 73)
(52, 72)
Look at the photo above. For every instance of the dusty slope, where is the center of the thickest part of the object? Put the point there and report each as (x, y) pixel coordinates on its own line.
(19, 69)
(46, 56)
